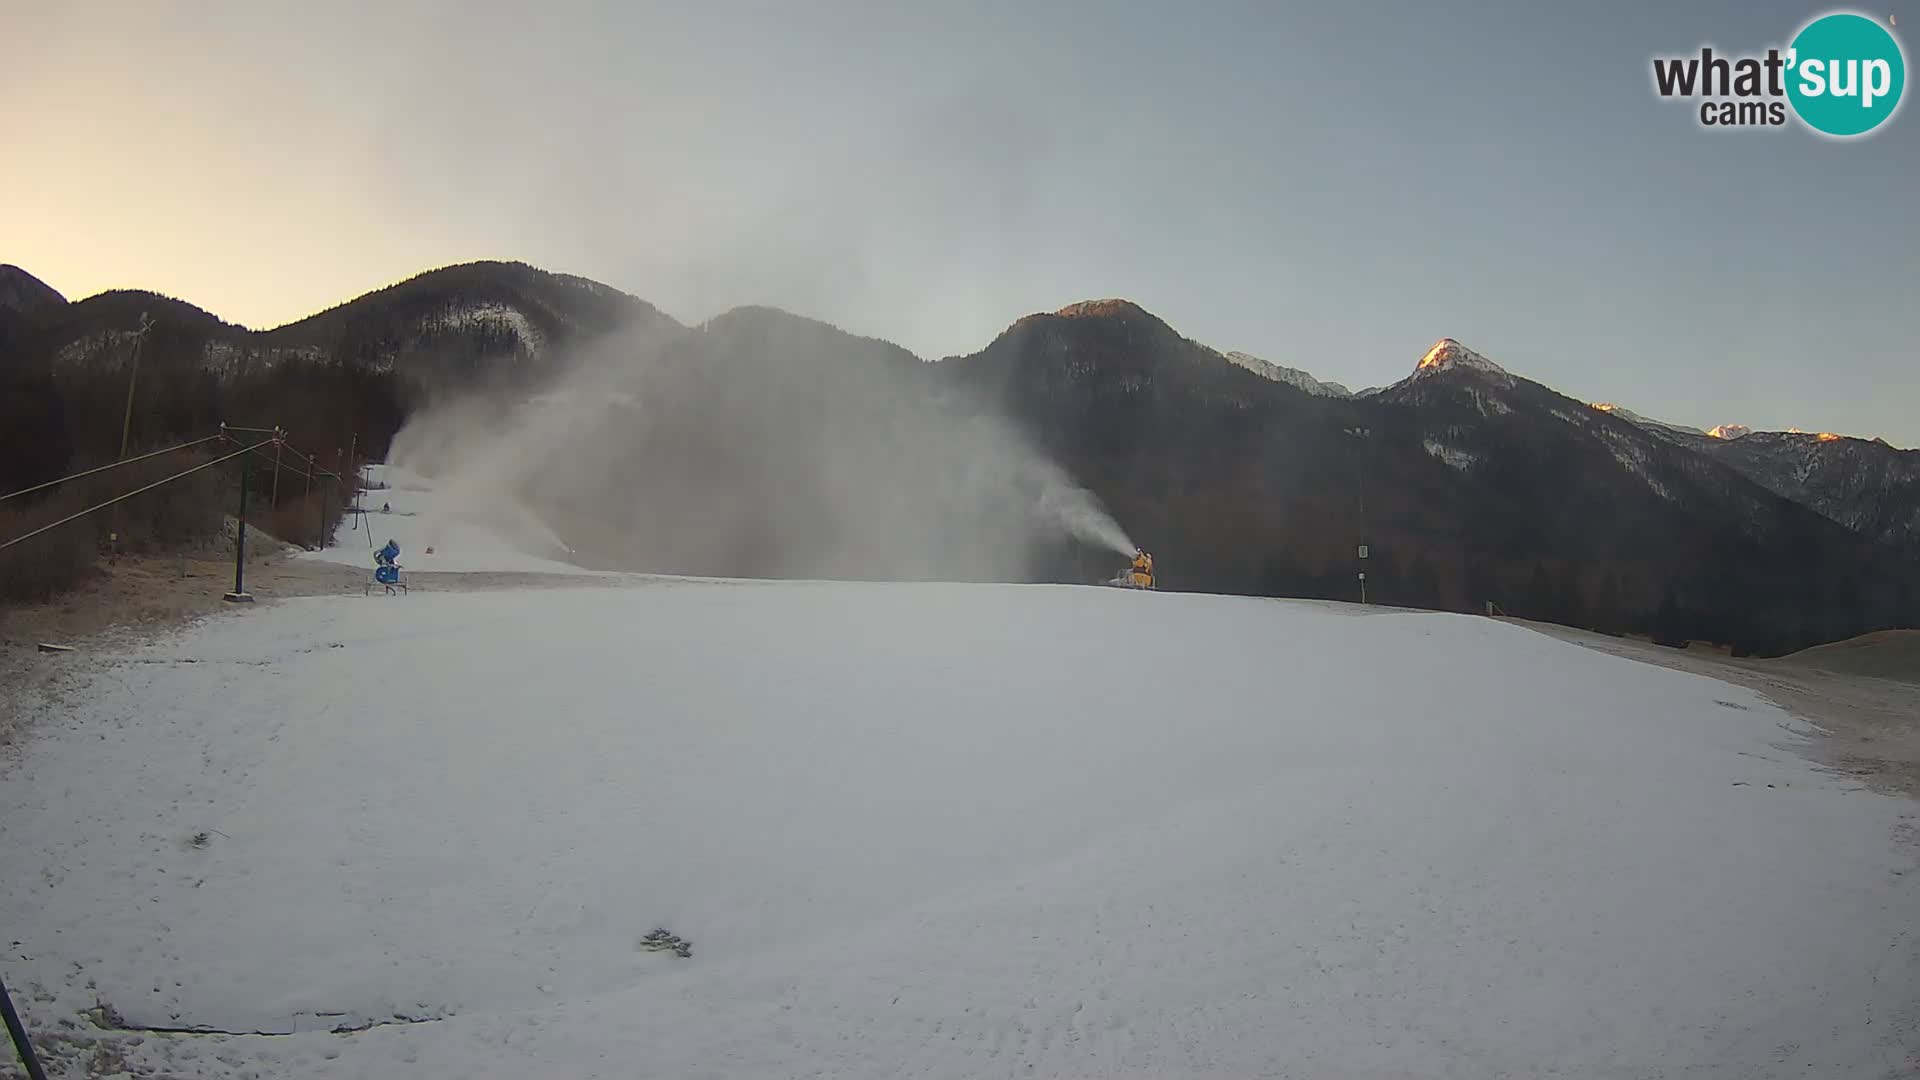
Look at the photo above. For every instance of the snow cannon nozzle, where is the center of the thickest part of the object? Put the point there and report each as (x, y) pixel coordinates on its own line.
(1138, 575)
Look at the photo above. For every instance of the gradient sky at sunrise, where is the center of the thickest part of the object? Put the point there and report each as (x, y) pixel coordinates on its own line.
(1328, 186)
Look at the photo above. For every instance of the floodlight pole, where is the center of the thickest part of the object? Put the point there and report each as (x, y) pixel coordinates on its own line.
(1362, 434)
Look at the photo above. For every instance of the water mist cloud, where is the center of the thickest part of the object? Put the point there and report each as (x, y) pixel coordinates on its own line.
(760, 445)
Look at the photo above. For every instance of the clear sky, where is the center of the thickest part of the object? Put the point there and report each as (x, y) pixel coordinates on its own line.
(1331, 186)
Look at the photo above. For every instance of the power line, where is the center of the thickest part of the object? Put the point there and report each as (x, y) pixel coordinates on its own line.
(311, 463)
(131, 494)
(104, 468)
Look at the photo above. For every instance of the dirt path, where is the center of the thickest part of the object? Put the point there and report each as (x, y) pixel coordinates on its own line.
(1870, 727)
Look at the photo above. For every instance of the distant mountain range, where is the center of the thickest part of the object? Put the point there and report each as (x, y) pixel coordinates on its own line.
(1469, 484)
(1865, 484)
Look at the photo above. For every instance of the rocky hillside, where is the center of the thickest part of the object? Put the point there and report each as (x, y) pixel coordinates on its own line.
(1467, 483)
(1866, 485)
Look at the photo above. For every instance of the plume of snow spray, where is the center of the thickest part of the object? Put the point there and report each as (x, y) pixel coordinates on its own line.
(767, 446)
(1077, 511)
(483, 462)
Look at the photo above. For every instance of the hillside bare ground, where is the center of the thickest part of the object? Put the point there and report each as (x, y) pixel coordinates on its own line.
(1887, 654)
(1869, 724)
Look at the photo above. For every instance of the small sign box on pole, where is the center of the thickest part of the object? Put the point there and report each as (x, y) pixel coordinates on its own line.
(1363, 551)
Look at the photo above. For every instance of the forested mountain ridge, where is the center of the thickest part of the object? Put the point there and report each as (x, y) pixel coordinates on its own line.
(1468, 483)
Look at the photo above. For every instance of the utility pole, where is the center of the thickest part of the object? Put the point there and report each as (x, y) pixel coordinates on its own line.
(133, 376)
(306, 493)
(337, 459)
(239, 595)
(126, 421)
(278, 437)
(353, 485)
(1363, 485)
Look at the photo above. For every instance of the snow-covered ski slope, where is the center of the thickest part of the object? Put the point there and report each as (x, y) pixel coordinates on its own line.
(469, 531)
(942, 830)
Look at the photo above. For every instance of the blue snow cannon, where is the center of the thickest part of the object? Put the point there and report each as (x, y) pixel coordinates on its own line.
(386, 566)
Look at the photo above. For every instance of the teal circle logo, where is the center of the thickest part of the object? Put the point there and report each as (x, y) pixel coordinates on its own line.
(1845, 73)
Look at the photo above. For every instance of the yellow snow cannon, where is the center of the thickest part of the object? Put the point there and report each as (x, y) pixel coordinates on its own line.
(1140, 574)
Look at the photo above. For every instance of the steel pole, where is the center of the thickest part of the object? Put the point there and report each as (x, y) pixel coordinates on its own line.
(239, 593)
(21, 1044)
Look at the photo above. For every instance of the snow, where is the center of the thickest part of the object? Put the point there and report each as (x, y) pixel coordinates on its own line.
(1293, 377)
(1449, 355)
(1648, 422)
(1488, 404)
(1452, 455)
(1628, 454)
(479, 533)
(102, 347)
(495, 315)
(939, 830)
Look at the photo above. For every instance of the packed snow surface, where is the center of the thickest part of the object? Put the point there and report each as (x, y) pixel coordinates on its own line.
(438, 531)
(947, 830)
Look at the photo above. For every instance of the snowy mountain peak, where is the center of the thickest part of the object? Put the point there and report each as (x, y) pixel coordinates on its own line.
(1293, 377)
(1448, 354)
(1096, 308)
(1632, 417)
(1729, 431)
